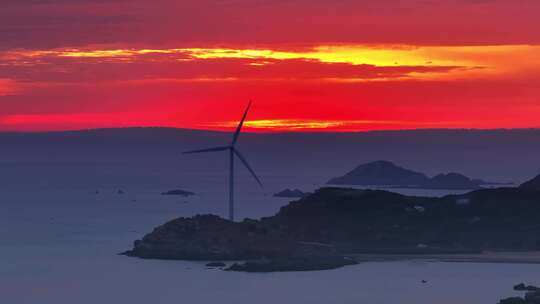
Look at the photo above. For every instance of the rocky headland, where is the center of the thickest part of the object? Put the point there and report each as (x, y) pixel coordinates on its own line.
(323, 230)
(532, 185)
(291, 193)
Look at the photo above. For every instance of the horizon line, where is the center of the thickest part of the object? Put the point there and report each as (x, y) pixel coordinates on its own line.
(261, 131)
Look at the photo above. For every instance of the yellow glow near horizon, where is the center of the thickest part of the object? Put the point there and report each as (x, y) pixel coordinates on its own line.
(356, 55)
(298, 124)
(343, 125)
(291, 124)
(399, 55)
(384, 55)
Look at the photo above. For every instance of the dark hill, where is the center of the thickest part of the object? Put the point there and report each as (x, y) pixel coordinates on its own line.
(385, 173)
(381, 173)
(452, 181)
(334, 221)
(533, 184)
(291, 193)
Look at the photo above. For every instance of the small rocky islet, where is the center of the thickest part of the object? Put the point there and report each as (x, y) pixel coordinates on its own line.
(178, 192)
(532, 295)
(323, 230)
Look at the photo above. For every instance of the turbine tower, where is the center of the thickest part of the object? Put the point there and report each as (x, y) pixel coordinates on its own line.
(232, 152)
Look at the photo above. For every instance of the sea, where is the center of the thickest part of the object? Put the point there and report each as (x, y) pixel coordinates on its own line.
(63, 225)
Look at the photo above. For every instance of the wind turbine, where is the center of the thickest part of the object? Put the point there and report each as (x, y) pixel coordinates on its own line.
(232, 152)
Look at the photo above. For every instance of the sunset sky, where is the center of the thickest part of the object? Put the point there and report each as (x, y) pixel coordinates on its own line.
(309, 65)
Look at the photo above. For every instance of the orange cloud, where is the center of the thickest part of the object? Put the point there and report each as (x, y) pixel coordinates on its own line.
(322, 88)
(467, 61)
(474, 61)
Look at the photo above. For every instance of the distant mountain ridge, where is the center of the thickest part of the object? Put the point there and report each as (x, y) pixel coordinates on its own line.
(386, 173)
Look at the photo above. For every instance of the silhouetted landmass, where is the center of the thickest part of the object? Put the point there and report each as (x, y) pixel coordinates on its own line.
(291, 193)
(293, 264)
(29, 158)
(385, 173)
(513, 300)
(523, 287)
(533, 184)
(453, 181)
(320, 228)
(179, 193)
(381, 173)
(532, 295)
(209, 237)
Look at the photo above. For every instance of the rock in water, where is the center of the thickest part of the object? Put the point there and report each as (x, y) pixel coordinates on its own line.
(531, 297)
(523, 287)
(293, 264)
(178, 192)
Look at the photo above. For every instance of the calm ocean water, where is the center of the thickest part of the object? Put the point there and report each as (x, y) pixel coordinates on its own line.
(59, 241)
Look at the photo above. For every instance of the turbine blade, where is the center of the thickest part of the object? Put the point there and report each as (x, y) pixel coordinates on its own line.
(244, 161)
(216, 149)
(239, 128)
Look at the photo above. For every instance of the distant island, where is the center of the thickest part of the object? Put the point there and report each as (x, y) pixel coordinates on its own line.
(178, 192)
(387, 174)
(532, 295)
(328, 228)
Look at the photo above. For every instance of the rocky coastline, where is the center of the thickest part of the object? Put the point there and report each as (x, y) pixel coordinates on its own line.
(291, 193)
(324, 229)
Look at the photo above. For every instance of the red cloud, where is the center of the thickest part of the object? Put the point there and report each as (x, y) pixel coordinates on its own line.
(8, 87)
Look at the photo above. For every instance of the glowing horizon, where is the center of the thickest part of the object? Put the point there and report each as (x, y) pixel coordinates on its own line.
(366, 66)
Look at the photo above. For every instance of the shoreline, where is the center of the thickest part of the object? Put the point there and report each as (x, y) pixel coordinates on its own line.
(507, 257)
